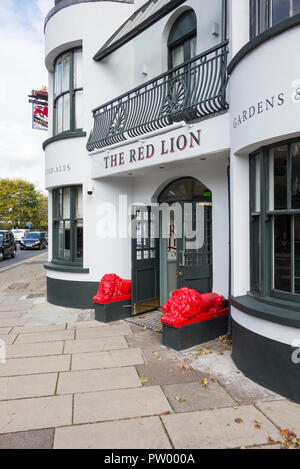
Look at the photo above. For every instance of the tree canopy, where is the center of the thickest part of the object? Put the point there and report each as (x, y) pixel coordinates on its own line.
(20, 203)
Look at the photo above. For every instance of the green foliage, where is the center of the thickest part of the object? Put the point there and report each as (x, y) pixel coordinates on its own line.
(20, 203)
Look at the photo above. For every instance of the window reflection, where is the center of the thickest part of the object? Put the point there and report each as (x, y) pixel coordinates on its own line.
(278, 178)
(282, 253)
(280, 11)
(297, 252)
(295, 183)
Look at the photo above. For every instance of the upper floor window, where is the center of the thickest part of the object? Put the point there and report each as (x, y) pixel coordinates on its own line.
(268, 13)
(67, 106)
(183, 39)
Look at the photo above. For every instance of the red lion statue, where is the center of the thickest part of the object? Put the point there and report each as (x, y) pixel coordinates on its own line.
(187, 306)
(113, 288)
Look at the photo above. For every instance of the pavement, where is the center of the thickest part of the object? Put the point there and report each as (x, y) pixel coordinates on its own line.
(70, 382)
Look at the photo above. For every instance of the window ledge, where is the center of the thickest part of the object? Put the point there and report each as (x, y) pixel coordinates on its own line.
(75, 269)
(262, 38)
(280, 312)
(63, 136)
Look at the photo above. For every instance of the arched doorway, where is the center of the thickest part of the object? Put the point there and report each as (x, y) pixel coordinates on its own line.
(185, 237)
(172, 244)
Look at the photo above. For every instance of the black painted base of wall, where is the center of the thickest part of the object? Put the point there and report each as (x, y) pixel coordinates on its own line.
(194, 334)
(71, 294)
(113, 311)
(267, 362)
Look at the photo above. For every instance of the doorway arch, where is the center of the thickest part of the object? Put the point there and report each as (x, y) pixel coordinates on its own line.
(186, 253)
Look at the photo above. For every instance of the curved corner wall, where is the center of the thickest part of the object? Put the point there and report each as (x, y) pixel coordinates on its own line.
(264, 90)
(90, 23)
(265, 109)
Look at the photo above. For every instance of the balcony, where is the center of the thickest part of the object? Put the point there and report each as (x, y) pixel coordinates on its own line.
(192, 91)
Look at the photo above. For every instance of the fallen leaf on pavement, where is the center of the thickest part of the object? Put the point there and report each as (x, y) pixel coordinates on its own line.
(239, 421)
(205, 383)
(144, 379)
(180, 399)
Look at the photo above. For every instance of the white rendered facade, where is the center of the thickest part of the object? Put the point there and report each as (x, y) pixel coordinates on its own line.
(263, 110)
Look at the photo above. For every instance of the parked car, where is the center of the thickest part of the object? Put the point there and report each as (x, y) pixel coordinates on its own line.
(19, 234)
(8, 247)
(34, 240)
(46, 235)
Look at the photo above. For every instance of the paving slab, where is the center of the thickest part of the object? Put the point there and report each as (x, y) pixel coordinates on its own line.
(8, 339)
(219, 364)
(35, 414)
(218, 429)
(189, 397)
(37, 365)
(11, 315)
(21, 387)
(98, 380)
(95, 345)
(45, 337)
(166, 372)
(284, 414)
(111, 359)
(12, 322)
(34, 350)
(12, 308)
(5, 330)
(32, 329)
(87, 325)
(145, 338)
(145, 433)
(110, 331)
(48, 314)
(37, 439)
(120, 404)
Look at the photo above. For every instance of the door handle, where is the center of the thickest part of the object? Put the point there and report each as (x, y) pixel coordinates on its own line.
(182, 259)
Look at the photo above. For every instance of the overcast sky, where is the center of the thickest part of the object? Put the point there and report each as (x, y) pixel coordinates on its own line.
(22, 69)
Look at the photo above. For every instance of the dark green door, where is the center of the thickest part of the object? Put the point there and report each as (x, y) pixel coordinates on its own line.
(194, 248)
(145, 261)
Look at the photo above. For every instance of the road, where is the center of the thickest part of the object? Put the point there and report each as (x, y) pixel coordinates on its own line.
(20, 256)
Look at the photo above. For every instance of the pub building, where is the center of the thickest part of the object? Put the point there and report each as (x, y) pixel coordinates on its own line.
(181, 101)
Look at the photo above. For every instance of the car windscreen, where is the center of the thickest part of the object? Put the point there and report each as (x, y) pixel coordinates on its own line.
(32, 236)
(1, 237)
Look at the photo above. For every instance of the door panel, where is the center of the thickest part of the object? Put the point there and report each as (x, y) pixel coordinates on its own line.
(145, 261)
(194, 258)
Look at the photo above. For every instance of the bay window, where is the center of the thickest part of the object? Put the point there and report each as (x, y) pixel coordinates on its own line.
(268, 13)
(68, 225)
(67, 106)
(275, 221)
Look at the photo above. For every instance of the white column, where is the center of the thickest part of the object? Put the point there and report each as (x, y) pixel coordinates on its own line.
(240, 227)
(239, 20)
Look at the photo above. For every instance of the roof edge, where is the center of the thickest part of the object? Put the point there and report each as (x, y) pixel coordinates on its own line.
(106, 50)
(67, 3)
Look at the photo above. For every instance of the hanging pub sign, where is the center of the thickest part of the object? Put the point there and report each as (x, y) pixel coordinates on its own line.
(40, 117)
(39, 101)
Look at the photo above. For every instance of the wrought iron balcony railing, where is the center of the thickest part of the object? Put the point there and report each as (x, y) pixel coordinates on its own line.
(193, 90)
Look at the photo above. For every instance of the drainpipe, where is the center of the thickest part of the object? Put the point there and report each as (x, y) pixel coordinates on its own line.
(229, 331)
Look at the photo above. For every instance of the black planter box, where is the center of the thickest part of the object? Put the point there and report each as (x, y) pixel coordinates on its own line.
(194, 334)
(111, 312)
